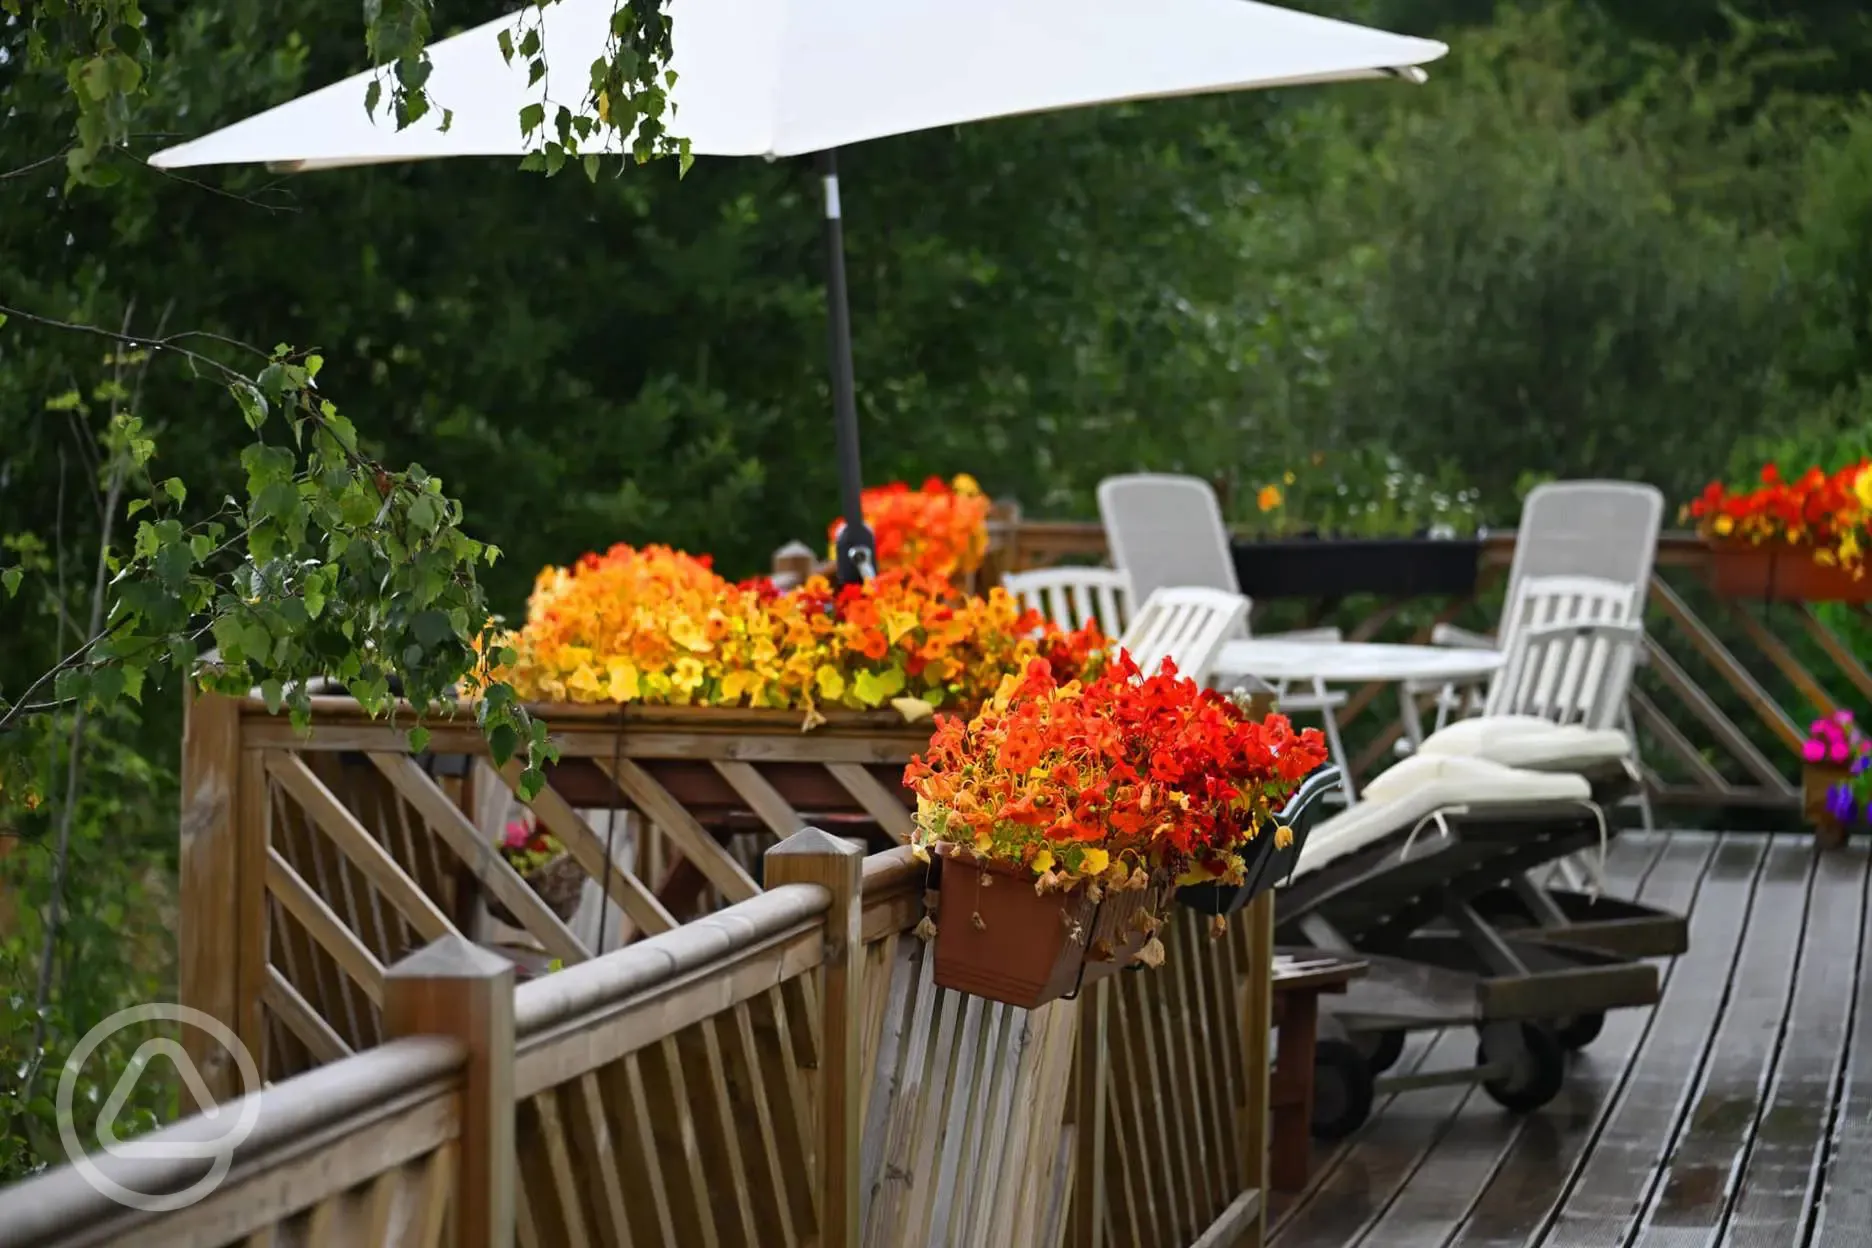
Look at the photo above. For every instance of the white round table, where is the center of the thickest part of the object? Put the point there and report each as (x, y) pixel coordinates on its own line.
(1355, 662)
(1317, 664)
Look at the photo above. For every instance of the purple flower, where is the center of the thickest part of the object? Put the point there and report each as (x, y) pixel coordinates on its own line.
(1860, 764)
(1839, 803)
(1813, 751)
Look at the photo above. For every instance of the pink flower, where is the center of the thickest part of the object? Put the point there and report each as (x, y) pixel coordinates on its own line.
(1842, 718)
(517, 835)
(1818, 728)
(1813, 751)
(1838, 753)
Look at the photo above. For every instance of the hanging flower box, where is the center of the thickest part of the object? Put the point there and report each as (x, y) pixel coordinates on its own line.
(1064, 814)
(1790, 541)
(1787, 573)
(1026, 947)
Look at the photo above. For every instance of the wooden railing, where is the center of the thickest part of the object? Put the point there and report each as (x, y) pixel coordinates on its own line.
(1721, 702)
(782, 1071)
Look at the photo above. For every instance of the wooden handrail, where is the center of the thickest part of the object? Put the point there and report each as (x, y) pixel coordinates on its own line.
(297, 1118)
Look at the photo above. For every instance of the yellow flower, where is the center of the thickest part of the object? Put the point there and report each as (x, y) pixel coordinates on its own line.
(1043, 861)
(831, 683)
(1283, 836)
(1287, 478)
(1862, 488)
(1093, 861)
(1724, 526)
(1269, 498)
(622, 680)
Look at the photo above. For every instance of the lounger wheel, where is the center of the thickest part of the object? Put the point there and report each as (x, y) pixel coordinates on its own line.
(1381, 1049)
(1342, 1089)
(1579, 1031)
(1538, 1074)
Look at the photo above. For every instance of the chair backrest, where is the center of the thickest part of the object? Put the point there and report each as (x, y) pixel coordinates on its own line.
(1603, 529)
(1187, 625)
(1166, 531)
(1570, 643)
(1075, 597)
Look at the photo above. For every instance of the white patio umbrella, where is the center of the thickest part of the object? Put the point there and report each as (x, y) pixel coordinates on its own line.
(787, 77)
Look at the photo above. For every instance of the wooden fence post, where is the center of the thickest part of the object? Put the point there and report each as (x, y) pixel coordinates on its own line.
(210, 885)
(811, 856)
(456, 988)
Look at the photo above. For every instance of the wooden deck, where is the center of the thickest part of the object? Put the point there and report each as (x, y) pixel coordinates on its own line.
(1738, 1112)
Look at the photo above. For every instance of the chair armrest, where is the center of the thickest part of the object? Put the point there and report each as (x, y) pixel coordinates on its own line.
(1460, 638)
(1305, 634)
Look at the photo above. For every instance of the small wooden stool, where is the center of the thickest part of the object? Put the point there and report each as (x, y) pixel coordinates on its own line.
(1298, 983)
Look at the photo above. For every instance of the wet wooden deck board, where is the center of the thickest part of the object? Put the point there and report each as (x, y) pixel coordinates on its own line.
(1691, 1201)
(1353, 1189)
(1462, 1160)
(1780, 1183)
(1540, 1168)
(1844, 1216)
(1738, 1112)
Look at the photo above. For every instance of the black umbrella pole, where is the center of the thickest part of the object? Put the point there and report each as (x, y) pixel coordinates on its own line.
(857, 550)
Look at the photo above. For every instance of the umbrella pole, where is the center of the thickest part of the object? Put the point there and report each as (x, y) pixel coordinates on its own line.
(856, 549)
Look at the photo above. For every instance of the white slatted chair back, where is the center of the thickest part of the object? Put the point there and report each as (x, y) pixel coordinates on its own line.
(1074, 597)
(1603, 529)
(1166, 531)
(1570, 645)
(1187, 625)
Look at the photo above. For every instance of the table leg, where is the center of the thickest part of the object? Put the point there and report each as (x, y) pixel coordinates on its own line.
(1293, 1109)
(1408, 715)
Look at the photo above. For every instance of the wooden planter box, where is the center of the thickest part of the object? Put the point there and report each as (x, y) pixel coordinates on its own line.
(1331, 567)
(1781, 573)
(1816, 779)
(997, 938)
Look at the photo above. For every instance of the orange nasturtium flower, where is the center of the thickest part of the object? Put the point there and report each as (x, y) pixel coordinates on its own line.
(1830, 514)
(940, 529)
(1112, 780)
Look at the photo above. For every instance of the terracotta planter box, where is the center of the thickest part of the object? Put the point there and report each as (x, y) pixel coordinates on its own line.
(1816, 779)
(1023, 952)
(1781, 573)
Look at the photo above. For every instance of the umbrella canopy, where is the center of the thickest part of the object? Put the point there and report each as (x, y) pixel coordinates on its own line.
(788, 77)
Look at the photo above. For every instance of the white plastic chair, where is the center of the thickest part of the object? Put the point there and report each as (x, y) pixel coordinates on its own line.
(1165, 529)
(1186, 625)
(1605, 530)
(1573, 641)
(1074, 597)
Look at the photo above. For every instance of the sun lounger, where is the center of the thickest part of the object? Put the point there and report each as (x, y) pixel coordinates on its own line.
(1395, 880)
(1569, 908)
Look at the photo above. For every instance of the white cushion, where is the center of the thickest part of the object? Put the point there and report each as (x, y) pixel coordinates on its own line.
(1420, 786)
(1527, 741)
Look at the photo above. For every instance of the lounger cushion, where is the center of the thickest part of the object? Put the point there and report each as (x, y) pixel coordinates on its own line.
(1530, 742)
(1415, 789)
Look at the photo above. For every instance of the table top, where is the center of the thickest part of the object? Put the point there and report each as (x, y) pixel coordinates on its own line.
(1354, 662)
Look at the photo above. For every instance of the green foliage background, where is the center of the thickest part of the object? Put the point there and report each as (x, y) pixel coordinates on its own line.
(1614, 239)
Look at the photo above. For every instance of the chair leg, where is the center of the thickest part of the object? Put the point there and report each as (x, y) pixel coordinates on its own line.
(1336, 747)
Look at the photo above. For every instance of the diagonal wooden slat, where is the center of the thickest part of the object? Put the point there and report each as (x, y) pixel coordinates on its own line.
(301, 1019)
(292, 892)
(879, 802)
(1726, 664)
(762, 798)
(1704, 708)
(454, 829)
(623, 888)
(1837, 650)
(703, 851)
(357, 845)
